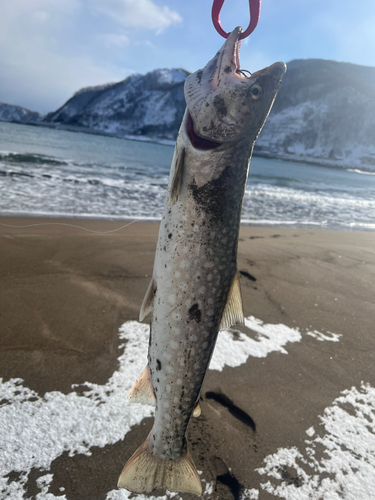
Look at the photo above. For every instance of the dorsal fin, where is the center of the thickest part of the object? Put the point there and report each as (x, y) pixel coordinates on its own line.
(233, 311)
(177, 178)
(148, 301)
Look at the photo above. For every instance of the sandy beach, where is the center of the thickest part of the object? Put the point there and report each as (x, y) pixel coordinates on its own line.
(66, 292)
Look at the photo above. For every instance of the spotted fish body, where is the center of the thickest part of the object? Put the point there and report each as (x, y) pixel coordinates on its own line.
(194, 291)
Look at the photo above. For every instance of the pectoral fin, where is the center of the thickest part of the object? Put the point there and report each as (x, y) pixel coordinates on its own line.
(233, 310)
(148, 301)
(142, 391)
(177, 178)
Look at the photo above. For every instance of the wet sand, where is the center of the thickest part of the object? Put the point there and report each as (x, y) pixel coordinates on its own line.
(66, 292)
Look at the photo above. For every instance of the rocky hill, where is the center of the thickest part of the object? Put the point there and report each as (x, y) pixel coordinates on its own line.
(325, 111)
(149, 105)
(11, 113)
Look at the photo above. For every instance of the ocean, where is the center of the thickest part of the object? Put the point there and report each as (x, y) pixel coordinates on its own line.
(57, 173)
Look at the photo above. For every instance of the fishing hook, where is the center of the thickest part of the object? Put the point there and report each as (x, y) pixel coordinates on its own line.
(244, 72)
(254, 6)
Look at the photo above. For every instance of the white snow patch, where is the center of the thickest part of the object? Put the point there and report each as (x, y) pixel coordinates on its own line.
(339, 463)
(170, 76)
(269, 338)
(332, 337)
(35, 430)
(250, 495)
(158, 112)
(310, 431)
(125, 495)
(43, 483)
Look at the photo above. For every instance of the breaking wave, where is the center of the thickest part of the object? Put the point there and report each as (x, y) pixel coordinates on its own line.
(362, 172)
(54, 172)
(21, 158)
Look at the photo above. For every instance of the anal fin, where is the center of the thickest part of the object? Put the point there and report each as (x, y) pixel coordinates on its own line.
(142, 391)
(148, 301)
(233, 310)
(144, 473)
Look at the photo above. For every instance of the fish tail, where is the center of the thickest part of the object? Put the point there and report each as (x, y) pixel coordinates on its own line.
(144, 473)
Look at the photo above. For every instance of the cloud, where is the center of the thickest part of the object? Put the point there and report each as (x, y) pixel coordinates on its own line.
(49, 49)
(42, 64)
(137, 13)
(112, 39)
(26, 16)
(43, 81)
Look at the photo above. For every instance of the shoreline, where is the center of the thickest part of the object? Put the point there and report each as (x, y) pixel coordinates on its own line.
(310, 160)
(350, 227)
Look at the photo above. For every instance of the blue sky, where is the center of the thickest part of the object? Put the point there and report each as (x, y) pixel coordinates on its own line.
(51, 48)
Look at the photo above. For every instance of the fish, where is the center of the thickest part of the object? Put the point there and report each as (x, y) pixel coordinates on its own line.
(194, 291)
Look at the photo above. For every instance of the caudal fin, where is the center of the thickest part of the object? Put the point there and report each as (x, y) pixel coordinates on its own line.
(144, 473)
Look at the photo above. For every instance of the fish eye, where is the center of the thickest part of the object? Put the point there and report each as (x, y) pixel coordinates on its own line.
(256, 92)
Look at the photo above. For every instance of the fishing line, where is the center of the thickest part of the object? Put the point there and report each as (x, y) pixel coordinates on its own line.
(73, 225)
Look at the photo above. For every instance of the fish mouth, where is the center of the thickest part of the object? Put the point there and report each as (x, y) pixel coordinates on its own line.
(197, 141)
(229, 56)
(277, 70)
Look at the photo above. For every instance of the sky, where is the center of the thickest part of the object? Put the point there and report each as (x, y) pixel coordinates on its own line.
(49, 49)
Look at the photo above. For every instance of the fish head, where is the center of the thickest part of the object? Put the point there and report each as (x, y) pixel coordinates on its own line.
(223, 104)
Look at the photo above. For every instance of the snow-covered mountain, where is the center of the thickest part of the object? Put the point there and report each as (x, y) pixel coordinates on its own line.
(12, 113)
(325, 111)
(149, 105)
